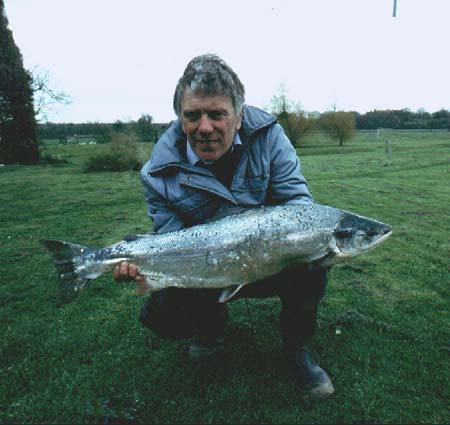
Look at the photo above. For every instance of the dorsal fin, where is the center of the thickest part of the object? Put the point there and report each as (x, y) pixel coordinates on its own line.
(227, 211)
(131, 238)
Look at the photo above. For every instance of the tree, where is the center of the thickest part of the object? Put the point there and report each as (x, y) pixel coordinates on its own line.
(297, 126)
(339, 125)
(144, 128)
(119, 126)
(291, 117)
(440, 119)
(18, 143)
(45, 97)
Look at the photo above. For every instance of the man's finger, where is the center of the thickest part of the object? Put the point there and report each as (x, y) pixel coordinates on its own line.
(116, 272)
(124, 270)
(132, 270)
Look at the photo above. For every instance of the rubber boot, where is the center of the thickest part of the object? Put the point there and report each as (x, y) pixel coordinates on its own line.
(208, 343)
(298, 324)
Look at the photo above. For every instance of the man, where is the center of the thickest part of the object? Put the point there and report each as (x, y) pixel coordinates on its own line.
(218, 155)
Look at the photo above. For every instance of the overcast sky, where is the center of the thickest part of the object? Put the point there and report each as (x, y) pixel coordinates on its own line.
(119, 59)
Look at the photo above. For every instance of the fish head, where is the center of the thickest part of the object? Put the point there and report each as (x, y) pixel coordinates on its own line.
(355, 235)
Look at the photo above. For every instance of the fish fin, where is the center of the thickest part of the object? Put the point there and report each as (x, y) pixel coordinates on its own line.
(142, 287)
(131, 238)
(229, 293)
(227, 211)
(66, 258)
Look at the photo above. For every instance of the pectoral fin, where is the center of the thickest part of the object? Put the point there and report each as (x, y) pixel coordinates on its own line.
(229, 293)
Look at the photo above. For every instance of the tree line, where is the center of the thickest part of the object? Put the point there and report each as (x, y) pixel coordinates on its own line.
(24, 96)
(148, 131)
(403, 119)
(144, 129)
(341, 125)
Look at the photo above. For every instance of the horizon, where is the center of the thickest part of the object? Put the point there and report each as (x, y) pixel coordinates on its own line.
(308, 113)
(126, 62)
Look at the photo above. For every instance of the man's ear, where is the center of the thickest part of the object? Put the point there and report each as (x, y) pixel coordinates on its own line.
(239, 120)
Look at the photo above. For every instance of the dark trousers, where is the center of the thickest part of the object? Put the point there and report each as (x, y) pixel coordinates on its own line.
(181, 313)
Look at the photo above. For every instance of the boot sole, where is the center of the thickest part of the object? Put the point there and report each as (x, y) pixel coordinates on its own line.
(199, 353)
(320, 392)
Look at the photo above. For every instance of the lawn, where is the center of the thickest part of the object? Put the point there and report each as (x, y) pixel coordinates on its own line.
(383, 331)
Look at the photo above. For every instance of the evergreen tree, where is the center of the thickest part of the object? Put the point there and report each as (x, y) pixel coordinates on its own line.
(18, 143)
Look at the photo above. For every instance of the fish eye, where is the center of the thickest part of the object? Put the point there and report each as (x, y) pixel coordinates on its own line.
(343, 233)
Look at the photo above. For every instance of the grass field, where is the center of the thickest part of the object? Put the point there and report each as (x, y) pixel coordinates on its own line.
(383, 331)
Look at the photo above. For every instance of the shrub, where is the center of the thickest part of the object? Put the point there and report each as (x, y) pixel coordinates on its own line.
(297, 126)
(47, 158)
(122, 155)
(295, 122)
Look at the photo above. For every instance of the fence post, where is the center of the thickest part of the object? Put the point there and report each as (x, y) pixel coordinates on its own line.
(387, 143)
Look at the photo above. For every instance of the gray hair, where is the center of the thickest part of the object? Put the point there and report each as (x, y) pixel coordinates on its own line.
(210, 74)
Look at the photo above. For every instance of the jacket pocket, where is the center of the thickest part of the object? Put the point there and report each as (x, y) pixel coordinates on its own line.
(251, 190)
(195, 209)
(189, 201)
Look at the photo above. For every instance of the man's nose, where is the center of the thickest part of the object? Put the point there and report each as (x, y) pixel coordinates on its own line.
(205, 125)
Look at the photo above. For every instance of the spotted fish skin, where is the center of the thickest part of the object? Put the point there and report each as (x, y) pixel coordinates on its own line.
(230, 252)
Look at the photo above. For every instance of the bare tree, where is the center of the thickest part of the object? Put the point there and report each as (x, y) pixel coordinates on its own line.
(45, 97)
(291, 116)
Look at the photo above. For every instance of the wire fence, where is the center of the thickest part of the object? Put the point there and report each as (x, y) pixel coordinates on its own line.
(318, 136)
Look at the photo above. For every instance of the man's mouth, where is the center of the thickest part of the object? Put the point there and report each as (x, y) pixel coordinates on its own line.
(207, 141)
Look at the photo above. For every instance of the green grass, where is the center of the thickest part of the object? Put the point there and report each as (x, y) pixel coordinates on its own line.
(383, 331)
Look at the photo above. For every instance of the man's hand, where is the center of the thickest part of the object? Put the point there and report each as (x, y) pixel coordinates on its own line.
(127, 271)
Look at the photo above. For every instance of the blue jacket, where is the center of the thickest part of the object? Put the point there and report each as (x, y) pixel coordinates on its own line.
(179, 194)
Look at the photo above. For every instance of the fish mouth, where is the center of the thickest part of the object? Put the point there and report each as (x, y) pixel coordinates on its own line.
(384, 235)
(378, 239)
(342, 253)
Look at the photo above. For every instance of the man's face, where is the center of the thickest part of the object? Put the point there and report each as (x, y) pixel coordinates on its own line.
(210, 123)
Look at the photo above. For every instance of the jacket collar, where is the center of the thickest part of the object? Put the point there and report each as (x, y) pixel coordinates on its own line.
(254, 120)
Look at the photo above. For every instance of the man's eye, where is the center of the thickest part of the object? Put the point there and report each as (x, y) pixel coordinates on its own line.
(192, 116)
(216, 115)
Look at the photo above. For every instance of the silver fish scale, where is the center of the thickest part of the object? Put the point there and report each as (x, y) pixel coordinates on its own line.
(235, 250)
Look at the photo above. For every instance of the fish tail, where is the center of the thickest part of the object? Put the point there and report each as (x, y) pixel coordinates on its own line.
(69, 259)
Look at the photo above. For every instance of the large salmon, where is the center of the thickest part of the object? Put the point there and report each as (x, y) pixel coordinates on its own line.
(227, 253)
